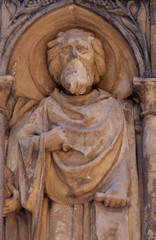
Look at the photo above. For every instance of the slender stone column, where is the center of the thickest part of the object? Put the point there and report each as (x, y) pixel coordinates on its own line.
(153, 35)
(2, 149)
(146, 91)
(5, 89)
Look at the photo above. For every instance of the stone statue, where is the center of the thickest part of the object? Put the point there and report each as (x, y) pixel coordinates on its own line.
(72, 149)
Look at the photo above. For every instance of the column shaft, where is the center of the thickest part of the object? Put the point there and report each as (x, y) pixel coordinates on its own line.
(146, 93)
(149, 177)
(2, 152)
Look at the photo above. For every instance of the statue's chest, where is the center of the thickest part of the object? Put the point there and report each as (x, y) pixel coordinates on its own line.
(78, 117)
(86, 126)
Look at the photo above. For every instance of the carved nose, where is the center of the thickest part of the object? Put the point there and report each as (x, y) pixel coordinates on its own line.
(74, 53)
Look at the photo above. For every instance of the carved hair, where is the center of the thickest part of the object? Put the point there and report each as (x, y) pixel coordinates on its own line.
(55, 46)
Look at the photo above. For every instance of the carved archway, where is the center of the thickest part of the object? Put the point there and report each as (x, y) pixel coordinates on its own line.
(28, 56)
(126, 17)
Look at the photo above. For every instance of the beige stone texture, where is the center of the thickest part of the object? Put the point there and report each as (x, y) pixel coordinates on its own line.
(146, 90)
(30, 50)
(5, 92)
(73, 153)
(77, 154)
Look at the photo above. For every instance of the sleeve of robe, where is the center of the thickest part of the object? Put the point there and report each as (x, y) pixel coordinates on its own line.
(31, 154)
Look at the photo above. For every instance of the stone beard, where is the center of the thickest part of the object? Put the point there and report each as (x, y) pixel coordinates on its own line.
(73, 149)
(76, 60)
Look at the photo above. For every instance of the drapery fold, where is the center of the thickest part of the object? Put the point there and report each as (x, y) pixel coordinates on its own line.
(98, 155)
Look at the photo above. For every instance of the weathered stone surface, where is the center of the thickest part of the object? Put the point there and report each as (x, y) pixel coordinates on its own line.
(5, 91)
(6, 83)
(74, 148)
(146, 90)
(153, 36)
(36, 82)
(65, 115)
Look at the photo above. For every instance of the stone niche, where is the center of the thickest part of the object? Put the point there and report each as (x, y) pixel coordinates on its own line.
(70, 144)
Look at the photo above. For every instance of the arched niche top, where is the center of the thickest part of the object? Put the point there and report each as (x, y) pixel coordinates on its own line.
(28, 61)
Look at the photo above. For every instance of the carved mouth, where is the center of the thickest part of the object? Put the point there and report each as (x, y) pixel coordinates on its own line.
(76, 83)
(74, 77)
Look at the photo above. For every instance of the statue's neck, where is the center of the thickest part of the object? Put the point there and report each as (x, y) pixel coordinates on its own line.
(89, 89)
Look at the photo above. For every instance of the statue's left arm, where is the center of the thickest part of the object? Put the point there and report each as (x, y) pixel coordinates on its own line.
(116, 191)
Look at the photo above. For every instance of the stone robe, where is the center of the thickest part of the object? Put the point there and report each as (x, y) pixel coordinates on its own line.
(58, 188)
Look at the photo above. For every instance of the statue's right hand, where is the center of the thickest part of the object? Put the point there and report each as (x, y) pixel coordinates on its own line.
(12, 204)
(56, 138)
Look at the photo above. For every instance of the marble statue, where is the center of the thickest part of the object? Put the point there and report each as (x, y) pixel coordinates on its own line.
(72, 149)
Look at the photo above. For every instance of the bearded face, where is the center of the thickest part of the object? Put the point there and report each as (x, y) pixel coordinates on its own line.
(77, 63)
(74, 66)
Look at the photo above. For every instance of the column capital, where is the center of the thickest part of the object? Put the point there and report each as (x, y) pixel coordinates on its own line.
(6, 83)
(145, 90)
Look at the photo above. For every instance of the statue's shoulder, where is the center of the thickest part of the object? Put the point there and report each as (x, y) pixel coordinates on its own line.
(111, 101)
(47, 100)
(104, 95)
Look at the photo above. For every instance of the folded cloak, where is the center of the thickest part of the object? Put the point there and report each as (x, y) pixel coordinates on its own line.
(98, 153)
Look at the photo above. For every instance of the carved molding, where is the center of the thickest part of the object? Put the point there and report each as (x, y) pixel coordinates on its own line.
(16, 13)
(146, 93)
(21, 10)
(130, 17)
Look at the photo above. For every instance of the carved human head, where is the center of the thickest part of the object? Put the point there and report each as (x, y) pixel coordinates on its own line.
(76, 60)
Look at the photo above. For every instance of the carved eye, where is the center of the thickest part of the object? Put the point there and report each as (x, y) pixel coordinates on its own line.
(66, 50)
(82, 49)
